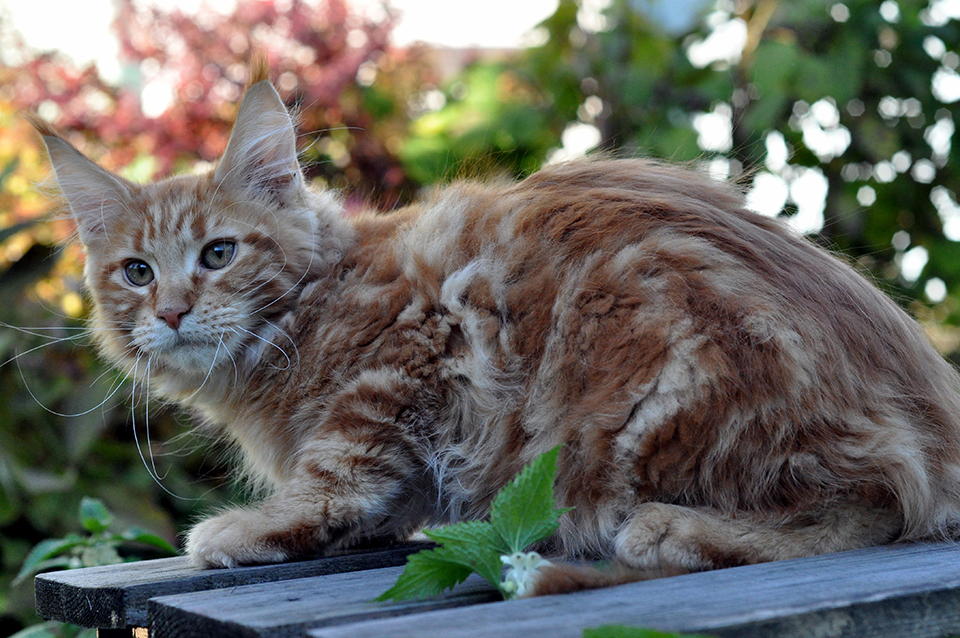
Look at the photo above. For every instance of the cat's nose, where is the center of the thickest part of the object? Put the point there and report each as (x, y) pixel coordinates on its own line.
(173, 316)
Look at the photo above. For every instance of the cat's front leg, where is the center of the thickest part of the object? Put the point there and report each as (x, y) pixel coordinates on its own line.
(235, 537)
(293, 523)
(342, 490)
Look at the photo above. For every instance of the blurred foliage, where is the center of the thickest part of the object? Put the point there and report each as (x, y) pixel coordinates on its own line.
(182, 77)
(838, 116)
(101, 545)
(491, 118)
(47, 462)
(842, 114)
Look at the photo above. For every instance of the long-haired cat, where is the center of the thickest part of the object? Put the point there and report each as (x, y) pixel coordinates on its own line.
(724, 391)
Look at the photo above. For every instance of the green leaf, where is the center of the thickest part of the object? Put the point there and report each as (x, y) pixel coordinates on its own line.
(94, 515)
(523, 512)
(427, 573)
(44, 551)
(623, 631)
(138, 535)
(58, 562)
(472, 544)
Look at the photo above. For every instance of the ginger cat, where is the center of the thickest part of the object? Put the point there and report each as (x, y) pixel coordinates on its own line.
(724, 391)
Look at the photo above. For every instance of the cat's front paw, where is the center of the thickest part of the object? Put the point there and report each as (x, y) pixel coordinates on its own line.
(235, 537)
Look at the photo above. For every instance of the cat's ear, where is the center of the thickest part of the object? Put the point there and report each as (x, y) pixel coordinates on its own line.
(261, 156)
(96, 196)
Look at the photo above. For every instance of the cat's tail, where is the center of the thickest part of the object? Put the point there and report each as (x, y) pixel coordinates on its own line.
(564, 578)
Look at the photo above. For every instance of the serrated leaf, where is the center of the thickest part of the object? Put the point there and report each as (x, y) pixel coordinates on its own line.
(137, 535)
(523, 512)
(94, 515)
(426, 574)
(44, 551)
(473, 544)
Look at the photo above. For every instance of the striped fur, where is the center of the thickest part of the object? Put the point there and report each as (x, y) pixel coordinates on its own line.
(725, 392)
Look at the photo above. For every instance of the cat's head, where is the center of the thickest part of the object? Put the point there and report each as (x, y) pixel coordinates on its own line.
(183, 270)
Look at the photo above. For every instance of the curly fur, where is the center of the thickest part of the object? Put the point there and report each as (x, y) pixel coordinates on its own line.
(725, 392)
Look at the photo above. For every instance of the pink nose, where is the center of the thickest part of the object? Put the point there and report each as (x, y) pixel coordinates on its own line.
(173, 316)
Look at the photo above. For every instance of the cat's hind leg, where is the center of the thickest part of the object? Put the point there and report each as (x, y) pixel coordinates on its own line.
(672, 539)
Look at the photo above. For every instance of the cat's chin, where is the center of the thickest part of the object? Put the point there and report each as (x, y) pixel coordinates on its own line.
(194, 357)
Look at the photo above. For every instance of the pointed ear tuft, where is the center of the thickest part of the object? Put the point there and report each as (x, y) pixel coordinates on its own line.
(96, 196)
(261, 156)
(45, 128)
(259, 68)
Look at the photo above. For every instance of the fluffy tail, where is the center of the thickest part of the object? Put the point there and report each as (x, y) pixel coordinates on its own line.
(563, 578)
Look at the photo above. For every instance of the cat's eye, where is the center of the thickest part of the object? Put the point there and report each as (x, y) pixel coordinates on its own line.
(218, 254)
(137, 272)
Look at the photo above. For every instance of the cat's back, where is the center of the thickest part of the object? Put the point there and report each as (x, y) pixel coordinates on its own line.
(647, 231)
(571, 212)
(601, 225)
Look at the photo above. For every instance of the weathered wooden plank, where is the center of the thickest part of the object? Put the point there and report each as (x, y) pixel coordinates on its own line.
(288, 608)
(895, 591)
(115, 596)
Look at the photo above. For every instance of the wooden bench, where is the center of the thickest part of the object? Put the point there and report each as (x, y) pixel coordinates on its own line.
(896, 591)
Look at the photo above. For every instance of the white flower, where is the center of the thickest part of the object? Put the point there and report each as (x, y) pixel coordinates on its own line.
(522, 570)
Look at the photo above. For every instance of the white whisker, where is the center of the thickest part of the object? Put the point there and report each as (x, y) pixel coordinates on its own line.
(61, 414)
(236, 372)
(136, 437)
(146, 418)
(17, 356)
(313, 252)
(271, 344)
(289, 338)
(30, 330)
(213, 364)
